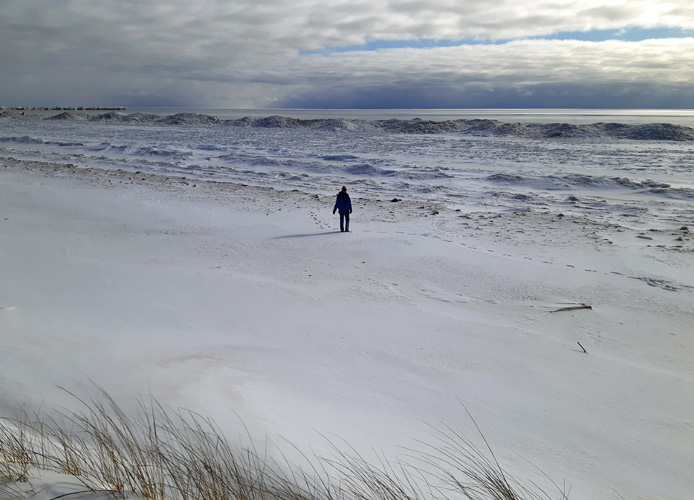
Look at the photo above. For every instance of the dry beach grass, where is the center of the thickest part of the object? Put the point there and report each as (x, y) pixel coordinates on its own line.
(160, 453)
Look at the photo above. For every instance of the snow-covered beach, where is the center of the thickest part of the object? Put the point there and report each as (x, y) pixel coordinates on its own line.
(200, 262)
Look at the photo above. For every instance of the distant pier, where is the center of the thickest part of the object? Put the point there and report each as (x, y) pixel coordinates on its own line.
(61, 108)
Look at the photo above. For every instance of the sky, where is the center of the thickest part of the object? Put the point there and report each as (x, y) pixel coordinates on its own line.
(348, 53)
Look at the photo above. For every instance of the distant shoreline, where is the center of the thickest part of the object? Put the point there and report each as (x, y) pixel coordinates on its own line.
(523, 116)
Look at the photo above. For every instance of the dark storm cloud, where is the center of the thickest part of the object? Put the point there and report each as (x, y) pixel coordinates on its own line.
(398, 95)
(530, 73)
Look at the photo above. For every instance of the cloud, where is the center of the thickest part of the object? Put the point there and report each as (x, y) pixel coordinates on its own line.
(533, 73)
(242, 53)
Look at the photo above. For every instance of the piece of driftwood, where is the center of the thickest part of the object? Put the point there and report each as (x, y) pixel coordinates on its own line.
(573, 308)
(584, 349)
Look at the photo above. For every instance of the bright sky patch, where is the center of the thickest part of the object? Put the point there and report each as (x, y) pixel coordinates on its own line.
(626, 35)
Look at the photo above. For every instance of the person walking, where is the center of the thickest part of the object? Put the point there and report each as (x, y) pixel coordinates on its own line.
(344, 205)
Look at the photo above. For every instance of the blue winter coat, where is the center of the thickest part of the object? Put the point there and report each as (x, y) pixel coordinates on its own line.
(343, 203)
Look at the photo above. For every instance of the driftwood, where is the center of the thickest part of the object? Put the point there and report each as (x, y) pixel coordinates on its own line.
(573, 308)
(584, 349)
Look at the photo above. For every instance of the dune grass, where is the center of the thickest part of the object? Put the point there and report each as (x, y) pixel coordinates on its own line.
(164, 454)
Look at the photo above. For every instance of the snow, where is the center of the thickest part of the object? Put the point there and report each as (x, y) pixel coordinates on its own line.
(245, 303)
(649, 131)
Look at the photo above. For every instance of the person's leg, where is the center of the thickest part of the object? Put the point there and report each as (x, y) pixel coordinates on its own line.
(347, 221)
(342, 221)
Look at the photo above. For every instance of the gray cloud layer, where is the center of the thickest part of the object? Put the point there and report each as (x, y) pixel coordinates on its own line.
(247, 53)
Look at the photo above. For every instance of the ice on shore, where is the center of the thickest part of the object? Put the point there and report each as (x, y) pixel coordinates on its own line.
(202, 264)
(645, 132)
(603, 170)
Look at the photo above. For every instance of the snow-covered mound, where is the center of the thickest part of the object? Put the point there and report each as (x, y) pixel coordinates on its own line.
(187, 119)
(473, 127)
(141, 117)
(66, 115)
(24, 139)
(111, 116)
(117, 116)
(482, 127)
(583, 181)
(650, 132)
